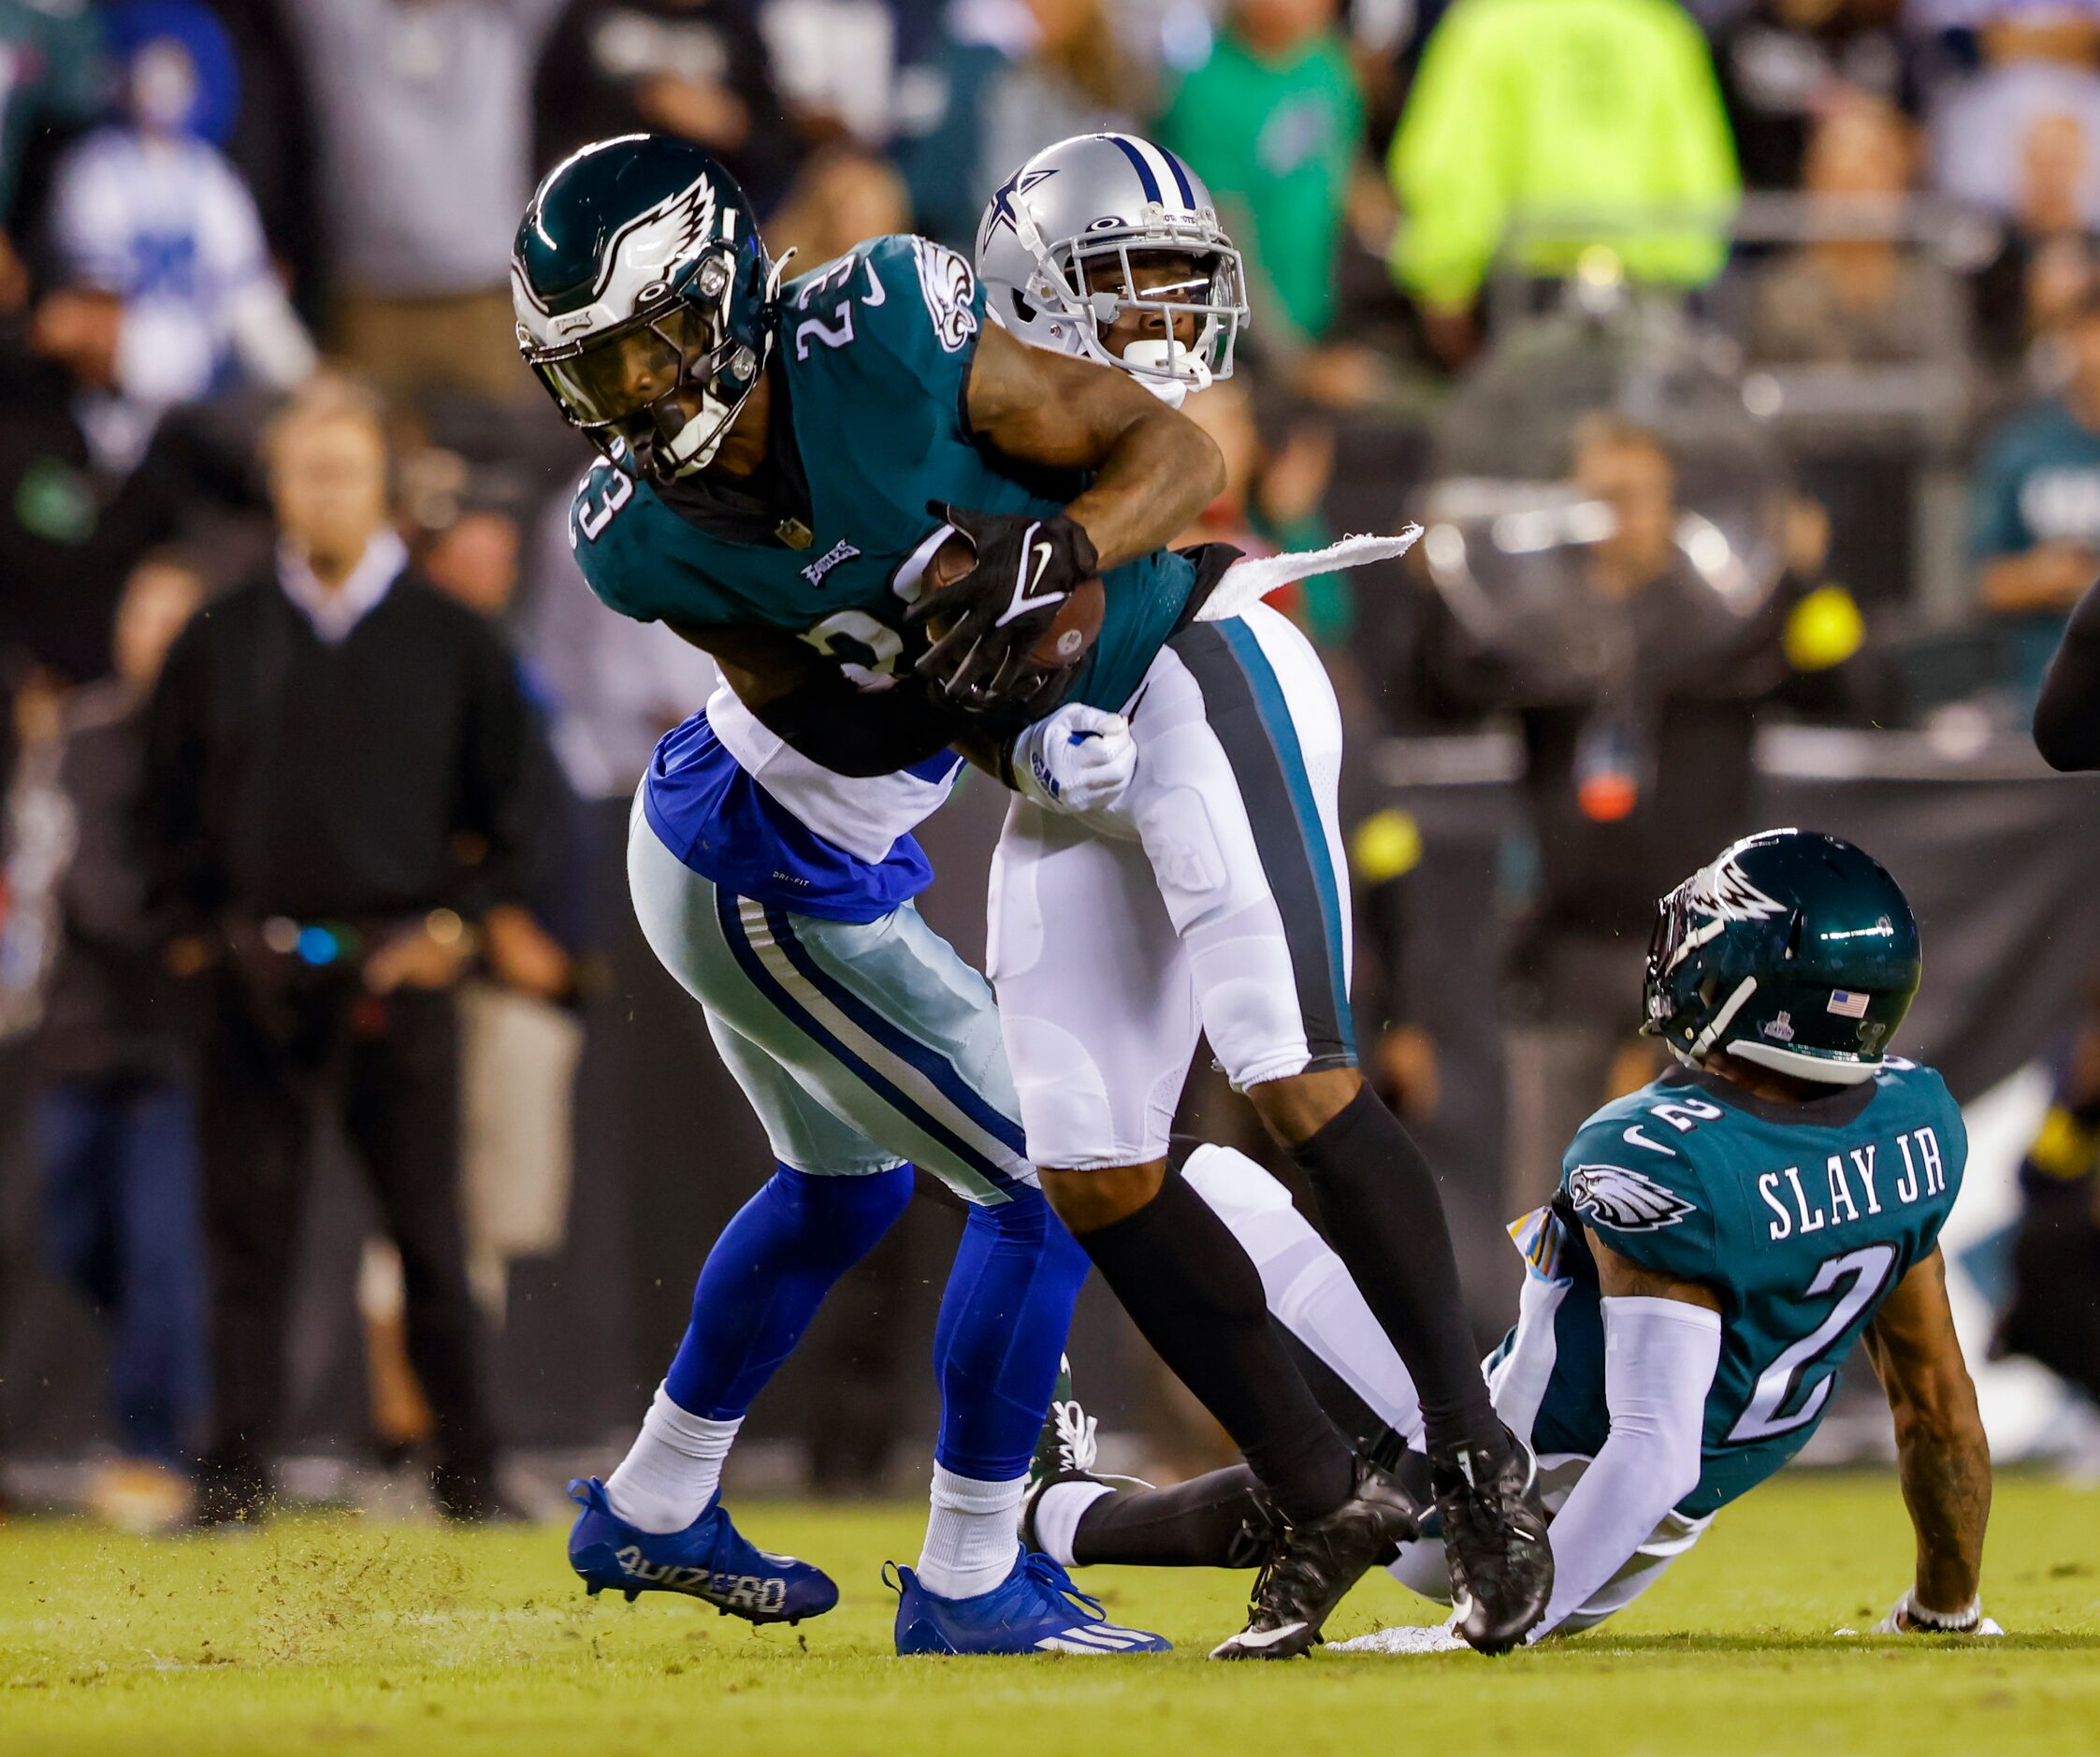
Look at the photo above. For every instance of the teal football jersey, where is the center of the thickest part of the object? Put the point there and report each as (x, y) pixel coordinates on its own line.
(1801, 1217)
(874, 351)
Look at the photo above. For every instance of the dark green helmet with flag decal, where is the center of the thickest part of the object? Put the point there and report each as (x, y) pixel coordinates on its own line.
(1793, 950)
(645, 298)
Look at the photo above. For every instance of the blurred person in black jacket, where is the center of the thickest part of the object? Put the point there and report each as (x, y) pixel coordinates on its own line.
(519, 1039)
(695, 68)
(1633, 778)
(113, 1126)
(336, 803)
(69, 529)
(74, 519)
(1784, 64)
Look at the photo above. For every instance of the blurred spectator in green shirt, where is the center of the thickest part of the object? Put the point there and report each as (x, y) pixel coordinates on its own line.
(1561, 113)
(1271, 121)
(50, 73)
(51, 76)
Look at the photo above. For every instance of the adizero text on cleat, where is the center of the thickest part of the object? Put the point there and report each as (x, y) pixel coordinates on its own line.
(710, 1560)
(1314, 1563)
(1035, 1609)
(1495, 1542)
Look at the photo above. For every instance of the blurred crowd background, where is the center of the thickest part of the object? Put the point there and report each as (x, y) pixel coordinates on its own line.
(1743, 361)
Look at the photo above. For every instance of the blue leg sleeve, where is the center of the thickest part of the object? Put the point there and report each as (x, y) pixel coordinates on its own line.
(766, 1276)
(1002, 1329)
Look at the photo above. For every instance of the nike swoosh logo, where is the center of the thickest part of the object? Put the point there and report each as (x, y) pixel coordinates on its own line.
(1024, 598)
(1261, 1637)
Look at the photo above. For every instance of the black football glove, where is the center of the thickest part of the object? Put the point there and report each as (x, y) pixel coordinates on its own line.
(1025, 568)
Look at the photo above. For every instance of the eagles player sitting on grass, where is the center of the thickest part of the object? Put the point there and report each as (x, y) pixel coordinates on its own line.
(1721, 1241)
(786, 469)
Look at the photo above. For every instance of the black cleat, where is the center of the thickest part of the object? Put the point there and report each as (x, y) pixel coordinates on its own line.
(1314, 1564)
(1495, 1542)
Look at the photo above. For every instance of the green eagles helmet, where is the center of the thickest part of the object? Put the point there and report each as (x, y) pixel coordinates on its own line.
(645, 300)
(1794, 950)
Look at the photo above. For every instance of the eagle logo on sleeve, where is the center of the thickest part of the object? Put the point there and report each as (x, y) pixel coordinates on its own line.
(950, 287)
(1624, 1200)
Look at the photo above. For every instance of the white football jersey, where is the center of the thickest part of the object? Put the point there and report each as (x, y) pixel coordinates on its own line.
(864, 816)
(170, 226)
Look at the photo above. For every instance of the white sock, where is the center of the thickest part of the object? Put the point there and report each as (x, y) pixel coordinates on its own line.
(971, 1540)
(674, 1468)
(1057, 1517)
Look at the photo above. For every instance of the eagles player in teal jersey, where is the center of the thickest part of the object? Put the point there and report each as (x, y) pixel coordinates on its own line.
(1721, 1241)
(783, 465)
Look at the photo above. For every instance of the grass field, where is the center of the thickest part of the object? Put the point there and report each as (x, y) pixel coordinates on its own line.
(325, 1634)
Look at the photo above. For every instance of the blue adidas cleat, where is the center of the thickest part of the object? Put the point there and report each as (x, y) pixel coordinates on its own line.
(709, 1560)
(1035, 1609)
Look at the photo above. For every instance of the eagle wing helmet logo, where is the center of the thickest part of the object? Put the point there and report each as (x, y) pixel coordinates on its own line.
(1724, 889)
(666, 234)
(641, 254)
(1723, 893)
(1624, 1200)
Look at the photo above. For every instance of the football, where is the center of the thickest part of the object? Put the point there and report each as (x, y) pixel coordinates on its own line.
(1071, 632)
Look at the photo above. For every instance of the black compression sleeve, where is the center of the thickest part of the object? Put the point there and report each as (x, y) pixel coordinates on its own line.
(1220, 1521)
(859, 732)
(2067, 716)
(1379, 1200)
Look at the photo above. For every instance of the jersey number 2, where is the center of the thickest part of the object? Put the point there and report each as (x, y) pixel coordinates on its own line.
(1867, 1271)
(834, 335)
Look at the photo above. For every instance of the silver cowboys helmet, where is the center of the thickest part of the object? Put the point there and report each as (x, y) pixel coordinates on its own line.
(1061, 248)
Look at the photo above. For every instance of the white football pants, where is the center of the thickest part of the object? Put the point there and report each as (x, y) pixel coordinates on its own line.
(1213, 899)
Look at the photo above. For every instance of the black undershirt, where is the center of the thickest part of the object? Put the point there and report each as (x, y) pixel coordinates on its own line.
(752, 508)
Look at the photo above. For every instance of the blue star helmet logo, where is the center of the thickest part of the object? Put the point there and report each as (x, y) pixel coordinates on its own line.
(1020, 183)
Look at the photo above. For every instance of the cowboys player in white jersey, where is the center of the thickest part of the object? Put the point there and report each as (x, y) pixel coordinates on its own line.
(1210, 897)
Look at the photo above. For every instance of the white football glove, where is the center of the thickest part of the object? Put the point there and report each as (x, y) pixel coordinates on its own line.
(1910, 1617)
(1079, 758)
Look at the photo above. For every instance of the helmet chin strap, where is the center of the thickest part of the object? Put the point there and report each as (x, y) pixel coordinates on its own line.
(695, 453)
